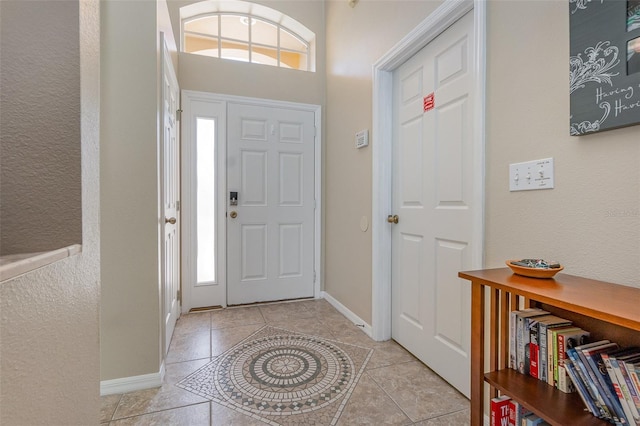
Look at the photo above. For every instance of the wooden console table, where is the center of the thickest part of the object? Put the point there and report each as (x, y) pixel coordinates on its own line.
(607, 310)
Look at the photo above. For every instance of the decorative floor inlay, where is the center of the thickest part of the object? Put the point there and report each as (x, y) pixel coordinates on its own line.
(283, 377)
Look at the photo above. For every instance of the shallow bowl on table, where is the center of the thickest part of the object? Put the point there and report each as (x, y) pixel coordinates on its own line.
(533, 272)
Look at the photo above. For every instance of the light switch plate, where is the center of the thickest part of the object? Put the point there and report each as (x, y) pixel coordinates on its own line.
(530, 175)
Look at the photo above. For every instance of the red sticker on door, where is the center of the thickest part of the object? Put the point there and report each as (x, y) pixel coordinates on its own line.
(428, 103)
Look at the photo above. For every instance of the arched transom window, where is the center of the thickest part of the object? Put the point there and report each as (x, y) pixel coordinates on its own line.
(246, 32)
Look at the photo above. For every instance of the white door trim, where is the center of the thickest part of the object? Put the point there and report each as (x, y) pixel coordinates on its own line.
(317, 111)
(443, 17)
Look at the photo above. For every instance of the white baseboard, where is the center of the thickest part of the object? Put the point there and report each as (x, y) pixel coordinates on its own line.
(366, 328)
(133, 383)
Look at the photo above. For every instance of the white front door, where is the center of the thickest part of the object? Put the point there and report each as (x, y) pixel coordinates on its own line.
(433, 198)
(170, 196)
(270, 226)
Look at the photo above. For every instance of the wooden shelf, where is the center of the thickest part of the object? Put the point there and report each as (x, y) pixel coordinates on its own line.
(614, 303)
(558, 408)
(607, 310)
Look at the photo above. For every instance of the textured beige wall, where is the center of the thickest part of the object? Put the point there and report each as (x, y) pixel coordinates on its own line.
(356, 39)
(49, 342)
(40, 207)
(590, 222)
(130, 315)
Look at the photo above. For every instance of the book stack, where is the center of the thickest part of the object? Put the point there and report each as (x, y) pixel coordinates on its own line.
(607, 378)
(554, 350)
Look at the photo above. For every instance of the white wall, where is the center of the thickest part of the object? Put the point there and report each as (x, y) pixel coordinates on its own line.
(49, 351)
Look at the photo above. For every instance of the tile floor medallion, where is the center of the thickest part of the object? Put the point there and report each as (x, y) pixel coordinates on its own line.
(283, 377)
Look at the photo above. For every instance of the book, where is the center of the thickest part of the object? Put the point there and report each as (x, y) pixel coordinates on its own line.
(566, 340)
(538, 327)
(633, 414)
(634, 371)
(625, 367)
(522, 336)
(500, 411)
(534, 352)
(531, 349)
(552, 343)
(574, 364)
(544, 325)
(513, 321)
(584, 376)
(580, 385)
(531, 346)
(513, 334)
(628, 417)
(585, 354)
(516, 413)
(605, 384)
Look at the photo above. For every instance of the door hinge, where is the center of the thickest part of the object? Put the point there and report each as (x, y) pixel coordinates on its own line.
(179, 295)
(179, 114)
(314, 277)
(315, 204)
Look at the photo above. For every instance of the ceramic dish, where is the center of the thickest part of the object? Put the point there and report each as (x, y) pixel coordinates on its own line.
(533, 272)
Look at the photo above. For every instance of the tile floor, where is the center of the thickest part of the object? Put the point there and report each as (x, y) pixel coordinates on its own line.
(395, 389)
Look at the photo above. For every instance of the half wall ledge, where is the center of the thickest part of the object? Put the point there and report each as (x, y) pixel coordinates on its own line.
(13, 265)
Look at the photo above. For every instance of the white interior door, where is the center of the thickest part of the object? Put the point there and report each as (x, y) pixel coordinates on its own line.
(270, 232)
(433, 198)
(170, 196)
